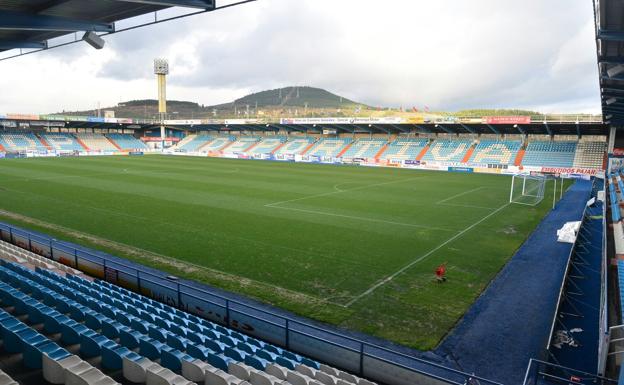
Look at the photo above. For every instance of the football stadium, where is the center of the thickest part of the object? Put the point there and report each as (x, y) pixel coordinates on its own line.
(296, 237)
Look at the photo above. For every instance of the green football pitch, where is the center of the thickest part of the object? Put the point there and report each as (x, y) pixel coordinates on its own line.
(351, 246)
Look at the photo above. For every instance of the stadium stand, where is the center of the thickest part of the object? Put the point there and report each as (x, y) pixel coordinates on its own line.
(15, 142)
(242, 143)
(328, 147)
(446, 150)
(490, 151)
(218, 143)
(96, 142)
(62, 141)
(295, 146)
(404, 148)
(267, 145)
(143, 340)
(127, 142)
(590, 154)
(193, 142)
(364, 148)
(550, 154)
(14, 253)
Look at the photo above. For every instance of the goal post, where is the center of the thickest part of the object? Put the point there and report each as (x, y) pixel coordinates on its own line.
(527, 189)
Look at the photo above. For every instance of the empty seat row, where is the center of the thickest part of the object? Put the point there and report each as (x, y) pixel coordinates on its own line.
(495, 151)
(61, 141)
(364, 148)
(405, 148)
(127, 142)
(267, 145)
(96, 314)
(96, 142)
(590, 154)
(549, 154)
(19, 255)
(39, 352)
(446, 150)
(328, 147)
(57, 364)
(171, 348)
(242, 143)
(15, 142)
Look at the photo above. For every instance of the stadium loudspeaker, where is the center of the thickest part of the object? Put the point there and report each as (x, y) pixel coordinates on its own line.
(94, 40)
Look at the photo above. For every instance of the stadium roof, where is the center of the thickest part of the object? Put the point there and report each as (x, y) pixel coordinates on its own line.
(609, 22)
(575, 129)
(31, 23)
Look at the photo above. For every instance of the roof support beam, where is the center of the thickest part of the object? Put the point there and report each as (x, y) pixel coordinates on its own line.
(378, 127)
(606, 90)
(517, 126)
(611, 60)
(470, 130)
(29, 22)
(343, 127)
(47, 5)
(398, 128)
(447, 130)
(547, 128)
(578, 129)
(605, 34)
(494, 130)
(423, 128)
(10, 44)
(203, 4)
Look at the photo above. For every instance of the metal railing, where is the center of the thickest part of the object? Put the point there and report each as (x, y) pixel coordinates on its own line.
(539, 372)
(349, 353)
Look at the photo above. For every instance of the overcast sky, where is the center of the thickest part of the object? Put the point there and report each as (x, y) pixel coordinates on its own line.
(446, 54)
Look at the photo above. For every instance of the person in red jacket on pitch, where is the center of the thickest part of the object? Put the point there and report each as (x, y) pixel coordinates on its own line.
(440, 273)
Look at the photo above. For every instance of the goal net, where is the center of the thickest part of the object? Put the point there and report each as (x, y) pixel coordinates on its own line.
(527, 189)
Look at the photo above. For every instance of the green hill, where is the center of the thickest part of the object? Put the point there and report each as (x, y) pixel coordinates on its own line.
(294, 97)
(295, 100)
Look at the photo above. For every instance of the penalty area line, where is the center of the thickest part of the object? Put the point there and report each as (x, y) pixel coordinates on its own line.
(338, 191)
(458, 195)
(362, 218)
(422, 257)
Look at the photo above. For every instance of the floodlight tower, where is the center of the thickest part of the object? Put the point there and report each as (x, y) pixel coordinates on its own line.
(161, 69)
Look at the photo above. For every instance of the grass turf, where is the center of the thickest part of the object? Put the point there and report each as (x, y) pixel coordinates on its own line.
(309, 238)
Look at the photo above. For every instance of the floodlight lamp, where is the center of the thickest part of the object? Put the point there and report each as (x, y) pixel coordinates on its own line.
(608, 116)
(93, 40)
(161, 67)
(610, 101)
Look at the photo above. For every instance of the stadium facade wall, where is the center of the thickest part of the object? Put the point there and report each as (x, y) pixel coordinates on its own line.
(328, 345)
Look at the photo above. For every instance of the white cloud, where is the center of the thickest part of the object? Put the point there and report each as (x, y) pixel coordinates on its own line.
(447, 54)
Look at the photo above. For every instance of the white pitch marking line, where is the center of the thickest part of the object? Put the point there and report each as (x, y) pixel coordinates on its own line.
(460, 194)
(468, 206)
(338, 192)
(422, 257)
(362, 218)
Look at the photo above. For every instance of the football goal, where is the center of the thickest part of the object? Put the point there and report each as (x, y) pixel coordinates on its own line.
(527, 189)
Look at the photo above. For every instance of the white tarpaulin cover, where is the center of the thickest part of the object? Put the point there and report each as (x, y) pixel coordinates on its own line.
(568, 232)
